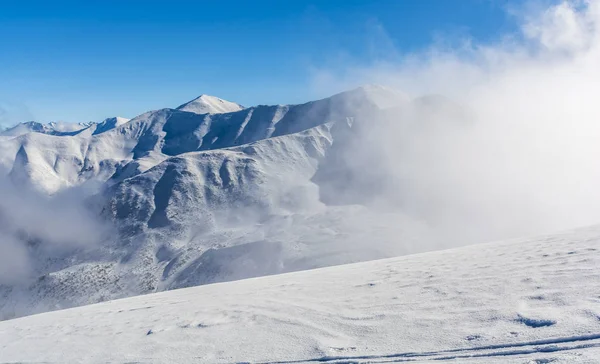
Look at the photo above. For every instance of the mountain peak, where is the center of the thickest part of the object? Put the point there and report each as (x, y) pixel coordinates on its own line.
(381, 96)
(206, 104)
(110, 123)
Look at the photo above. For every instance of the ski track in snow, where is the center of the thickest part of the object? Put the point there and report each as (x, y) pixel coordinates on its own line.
(521, 301)
(489, 351)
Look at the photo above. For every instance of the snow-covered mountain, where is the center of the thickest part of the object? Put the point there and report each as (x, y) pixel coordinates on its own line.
(146, 140)
(202, 198)
(522, 301)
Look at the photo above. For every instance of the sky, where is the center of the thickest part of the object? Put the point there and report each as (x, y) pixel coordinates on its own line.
(80, 61)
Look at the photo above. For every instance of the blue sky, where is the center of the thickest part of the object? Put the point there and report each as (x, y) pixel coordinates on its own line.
(87, 60)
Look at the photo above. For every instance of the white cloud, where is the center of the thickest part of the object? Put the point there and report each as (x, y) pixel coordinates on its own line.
(34, 227)
(528, 162)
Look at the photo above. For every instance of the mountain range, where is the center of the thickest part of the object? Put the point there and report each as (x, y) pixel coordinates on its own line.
(209, 191)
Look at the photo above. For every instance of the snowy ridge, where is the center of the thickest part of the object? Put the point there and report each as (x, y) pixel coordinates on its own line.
(521, 301)
(104, 149)
(52, 128)
(61, 128)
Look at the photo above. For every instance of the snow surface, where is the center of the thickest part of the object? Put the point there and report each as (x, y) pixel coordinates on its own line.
(521, 301)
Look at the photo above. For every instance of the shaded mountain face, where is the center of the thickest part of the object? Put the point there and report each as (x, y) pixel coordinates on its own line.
(206, 193)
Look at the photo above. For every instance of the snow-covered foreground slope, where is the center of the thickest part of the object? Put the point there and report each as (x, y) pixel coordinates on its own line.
(522, 301)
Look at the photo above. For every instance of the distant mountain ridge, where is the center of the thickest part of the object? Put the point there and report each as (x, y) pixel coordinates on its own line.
(63, 129)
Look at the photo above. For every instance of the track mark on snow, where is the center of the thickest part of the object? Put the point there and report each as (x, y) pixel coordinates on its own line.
(499, 350)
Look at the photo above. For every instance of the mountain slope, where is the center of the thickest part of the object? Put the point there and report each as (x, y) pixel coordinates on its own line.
(521, 301)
